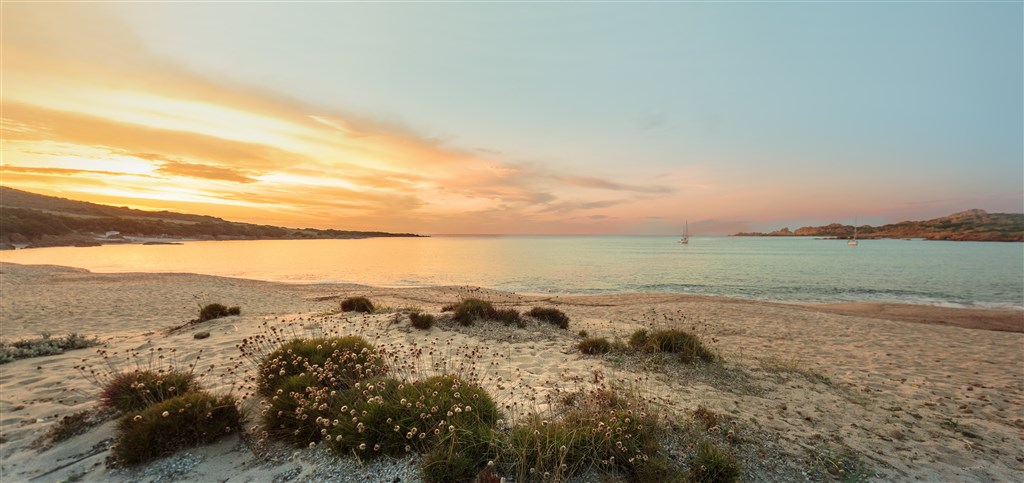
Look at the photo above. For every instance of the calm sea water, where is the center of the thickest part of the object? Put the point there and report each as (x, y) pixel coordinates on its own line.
(781, 269)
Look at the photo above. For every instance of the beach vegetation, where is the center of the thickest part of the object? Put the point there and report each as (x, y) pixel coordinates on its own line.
(638, 340)
(605, 428)
(595, 345)
(357, 304)
(712, 464)
(582, 333)
(420, 320)
(508, 317)
(45, 345)
(550, 315)
(234, 310)
(215, 311)
(183, 421)
(843, 465)
(686, 346)
(300, 409)
(471, 310)
(135, 390)
(72, 425)
(437, 416)
(335, 362)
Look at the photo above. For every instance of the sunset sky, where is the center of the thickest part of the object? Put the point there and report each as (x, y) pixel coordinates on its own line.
(519, 118)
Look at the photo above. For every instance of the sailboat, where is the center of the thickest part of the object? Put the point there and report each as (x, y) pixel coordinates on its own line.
(853, 242)
(685, 240)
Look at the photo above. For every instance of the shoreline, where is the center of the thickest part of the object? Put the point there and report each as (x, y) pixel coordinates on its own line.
(971, 317)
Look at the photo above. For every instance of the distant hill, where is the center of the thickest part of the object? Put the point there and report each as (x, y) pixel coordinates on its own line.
(970, 225)
(35, 220)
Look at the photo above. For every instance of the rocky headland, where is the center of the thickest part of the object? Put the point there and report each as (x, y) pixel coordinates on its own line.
(969, 225)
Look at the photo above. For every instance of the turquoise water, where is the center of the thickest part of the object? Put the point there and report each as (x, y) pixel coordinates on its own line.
(781, 269)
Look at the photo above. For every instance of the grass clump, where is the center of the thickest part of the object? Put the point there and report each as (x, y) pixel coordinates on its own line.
(471, 310)
(70, 426)
(183, 421)
(420, 320)
(214, 311)
(357, 304)
(603, 428)
(335, 362)
(235, 310)
(43, 346)
(507, 316)
(552, 316)
(713, 465)
(684, 345)
(595, 345)
(134, 391)
(639, 339)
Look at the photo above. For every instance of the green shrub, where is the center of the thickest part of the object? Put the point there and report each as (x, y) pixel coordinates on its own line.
(134, 391)
(595, 345)
(550, 315)
(713, 465)
(212, 311)
(301, 409)
(357, 304)
(421, 320)
(335, 362)
(391, 417)
(685, 345)
(184, 421)
(43, 346)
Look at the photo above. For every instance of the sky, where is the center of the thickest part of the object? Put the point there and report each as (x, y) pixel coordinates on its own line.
(528, 118)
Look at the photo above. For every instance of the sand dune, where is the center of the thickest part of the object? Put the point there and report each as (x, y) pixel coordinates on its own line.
(935, 402)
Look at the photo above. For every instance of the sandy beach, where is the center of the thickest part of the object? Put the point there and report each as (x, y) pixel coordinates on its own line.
(911, 392)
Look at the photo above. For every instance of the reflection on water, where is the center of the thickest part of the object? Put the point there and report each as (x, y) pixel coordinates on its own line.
(789, 269)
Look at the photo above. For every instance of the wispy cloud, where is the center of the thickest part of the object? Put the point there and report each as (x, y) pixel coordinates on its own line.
(192, 170)
(599, 183)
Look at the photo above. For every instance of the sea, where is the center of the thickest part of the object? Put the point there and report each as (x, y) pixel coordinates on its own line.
(790, 269)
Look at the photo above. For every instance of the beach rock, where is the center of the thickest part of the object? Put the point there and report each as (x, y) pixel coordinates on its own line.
(201, 335)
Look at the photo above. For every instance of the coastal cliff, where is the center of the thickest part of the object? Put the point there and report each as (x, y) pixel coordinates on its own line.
(34, 220)
(969, 225)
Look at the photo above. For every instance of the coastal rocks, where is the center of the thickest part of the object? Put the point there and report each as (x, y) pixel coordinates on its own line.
(969, 225)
